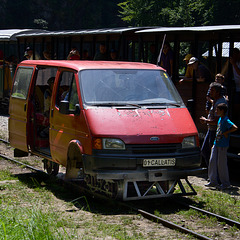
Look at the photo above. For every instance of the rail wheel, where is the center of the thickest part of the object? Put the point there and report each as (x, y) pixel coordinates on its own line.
(52, 168)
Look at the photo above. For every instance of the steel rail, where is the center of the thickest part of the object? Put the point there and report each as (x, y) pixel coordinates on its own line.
(219, 217)
(164, 222)
(171, 225)
(4, 141)
(21, 163)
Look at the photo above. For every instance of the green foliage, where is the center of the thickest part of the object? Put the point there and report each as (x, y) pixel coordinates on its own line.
(189, 13)
(137, 12)
(179, 12)
(41, 23)
(75, 14)
(30, 224)
(59, 15)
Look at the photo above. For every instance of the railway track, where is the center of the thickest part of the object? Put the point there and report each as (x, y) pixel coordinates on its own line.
(145, 213)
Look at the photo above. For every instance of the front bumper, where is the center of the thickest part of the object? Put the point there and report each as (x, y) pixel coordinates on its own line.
(151, 175)
(118, 167)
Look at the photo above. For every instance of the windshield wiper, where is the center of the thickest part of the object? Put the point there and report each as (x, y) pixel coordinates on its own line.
(113, 104)
(160, 104)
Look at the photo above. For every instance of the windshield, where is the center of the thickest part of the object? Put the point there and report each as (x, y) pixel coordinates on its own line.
(119, 87)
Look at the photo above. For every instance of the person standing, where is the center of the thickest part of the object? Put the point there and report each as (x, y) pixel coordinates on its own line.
(218, 168)
(219, 79)
(211, 120)
(235, 61)
(166, 60)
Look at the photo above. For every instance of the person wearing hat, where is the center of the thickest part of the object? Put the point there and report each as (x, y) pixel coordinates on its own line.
(29, 52)
(189, 69)
(26, 56)
(187, 57)
(201, 72)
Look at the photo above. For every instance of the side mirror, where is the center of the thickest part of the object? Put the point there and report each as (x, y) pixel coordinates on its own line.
(77, 110)
(64, 107)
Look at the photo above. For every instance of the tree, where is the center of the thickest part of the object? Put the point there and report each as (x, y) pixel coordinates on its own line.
(189, 13)
(59, 15)
(179, 12)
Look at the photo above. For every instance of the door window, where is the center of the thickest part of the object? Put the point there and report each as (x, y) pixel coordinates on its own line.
(67, 90)
(43, 88)
(22, 82)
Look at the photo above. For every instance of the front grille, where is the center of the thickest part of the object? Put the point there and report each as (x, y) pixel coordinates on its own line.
(143, 150)
(153, 149)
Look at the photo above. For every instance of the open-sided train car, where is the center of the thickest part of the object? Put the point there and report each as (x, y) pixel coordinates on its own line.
(9, 58)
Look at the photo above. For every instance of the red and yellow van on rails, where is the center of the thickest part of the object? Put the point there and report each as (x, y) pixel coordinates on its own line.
(121, 127)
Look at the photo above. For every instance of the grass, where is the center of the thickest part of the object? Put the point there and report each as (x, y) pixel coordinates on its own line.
(33, 207)
(221, 203)
(26, 223)
(22, 215)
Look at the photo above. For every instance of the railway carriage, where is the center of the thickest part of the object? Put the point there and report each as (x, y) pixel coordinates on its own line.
(9, 58)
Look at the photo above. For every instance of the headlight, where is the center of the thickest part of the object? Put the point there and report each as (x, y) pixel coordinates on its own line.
(112, 143)
(189, 142)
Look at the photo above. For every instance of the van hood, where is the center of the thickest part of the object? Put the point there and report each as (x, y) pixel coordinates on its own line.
(141, 126)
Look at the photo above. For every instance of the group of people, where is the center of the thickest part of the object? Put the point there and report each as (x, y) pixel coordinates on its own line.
(74, 54)
(101, 55)
(216, 142)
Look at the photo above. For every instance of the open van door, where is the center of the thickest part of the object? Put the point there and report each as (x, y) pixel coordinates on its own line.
(18, 109)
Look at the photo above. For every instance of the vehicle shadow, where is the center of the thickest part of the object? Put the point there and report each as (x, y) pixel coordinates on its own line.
(80, 199)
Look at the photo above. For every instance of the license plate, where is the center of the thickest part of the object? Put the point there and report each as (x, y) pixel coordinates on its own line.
(159, 162)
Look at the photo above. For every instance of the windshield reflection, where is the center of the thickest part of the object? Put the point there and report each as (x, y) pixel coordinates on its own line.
(119, 87)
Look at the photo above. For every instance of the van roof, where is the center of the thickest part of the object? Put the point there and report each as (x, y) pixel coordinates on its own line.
(80, 65)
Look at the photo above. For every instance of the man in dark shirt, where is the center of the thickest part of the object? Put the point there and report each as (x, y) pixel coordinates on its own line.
(102, 54)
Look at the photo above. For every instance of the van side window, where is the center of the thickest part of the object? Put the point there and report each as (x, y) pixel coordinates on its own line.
(21, 82)
(44, 75)
(67, 90)
(73, 96)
